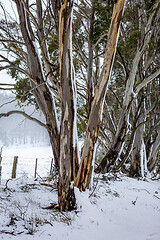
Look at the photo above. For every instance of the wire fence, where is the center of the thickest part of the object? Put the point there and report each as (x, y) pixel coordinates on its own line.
(12, 167)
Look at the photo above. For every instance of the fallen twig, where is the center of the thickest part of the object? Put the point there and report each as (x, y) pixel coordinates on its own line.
(141, 190)
(6, 232)
(52, 206)
(156, 197)
(154, 179)
(93, 189)
(134, 202)
(48, 185)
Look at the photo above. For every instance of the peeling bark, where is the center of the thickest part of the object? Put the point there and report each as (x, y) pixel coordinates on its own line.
(67, 160)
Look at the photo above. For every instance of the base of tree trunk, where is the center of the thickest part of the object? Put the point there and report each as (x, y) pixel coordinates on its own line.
(67, 201)
(135, 171)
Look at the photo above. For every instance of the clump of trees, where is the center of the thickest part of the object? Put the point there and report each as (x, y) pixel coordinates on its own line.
(67, 59)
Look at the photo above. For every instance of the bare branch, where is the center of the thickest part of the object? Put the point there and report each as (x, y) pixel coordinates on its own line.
(11, 41)
(6, 84)
(147, 80)
(7, 103)
(7, 88)
(25, 115)
(99, 39)
(29, 12)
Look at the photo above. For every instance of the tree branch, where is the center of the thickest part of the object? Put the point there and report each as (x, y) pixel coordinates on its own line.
(147, 80)
(23, 114)
(99, 39)
(7, 103)
(11, 41)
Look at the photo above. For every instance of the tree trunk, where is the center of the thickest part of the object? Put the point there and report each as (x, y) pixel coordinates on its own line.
(66, 195)
(153, 158)
(114, 152)
(90, 60)
(94, 121)
(136, 167)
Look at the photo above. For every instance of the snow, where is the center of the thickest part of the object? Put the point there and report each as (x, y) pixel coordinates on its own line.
(117, 207)
(26, 160)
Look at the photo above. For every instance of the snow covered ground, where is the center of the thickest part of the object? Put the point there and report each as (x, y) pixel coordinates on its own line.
(116, 208)
(26, 160)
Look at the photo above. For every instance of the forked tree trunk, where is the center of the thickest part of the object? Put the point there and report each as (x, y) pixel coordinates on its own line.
(94, 121)
(66, 171)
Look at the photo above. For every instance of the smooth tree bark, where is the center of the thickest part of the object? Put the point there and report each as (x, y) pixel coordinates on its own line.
(93, 126)
(90, 60)
(64, 142)
(136, 168)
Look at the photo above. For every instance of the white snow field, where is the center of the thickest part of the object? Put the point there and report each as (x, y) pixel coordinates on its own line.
(27, 156)
(116, 208)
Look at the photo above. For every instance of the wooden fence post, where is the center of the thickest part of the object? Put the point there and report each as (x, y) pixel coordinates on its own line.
(14, 167)
(35, 172)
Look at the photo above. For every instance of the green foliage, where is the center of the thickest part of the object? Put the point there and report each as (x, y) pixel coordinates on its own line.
(23, 93)
(53, 48)
(13, 72)
(103, 15)
(128, 46)
(149, 4)
(82, 119)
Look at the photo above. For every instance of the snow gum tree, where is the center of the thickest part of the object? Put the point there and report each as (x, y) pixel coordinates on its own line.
(66, 59)
(46, 26)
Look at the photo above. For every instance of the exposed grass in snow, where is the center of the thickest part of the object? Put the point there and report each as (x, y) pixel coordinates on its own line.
(117, 208)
